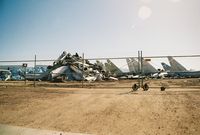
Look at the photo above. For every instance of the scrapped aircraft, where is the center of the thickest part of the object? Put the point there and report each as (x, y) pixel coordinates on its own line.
(112, 69)
(38, 73)
(147, 69)
(5, 75)
(166, 67)
(184, 74)
(134, 73)
(160, 74)
(175, 65)
(72, 67)
(176, 70)
(16, 71)
(66, 72)
(115, 72)
(133, 64)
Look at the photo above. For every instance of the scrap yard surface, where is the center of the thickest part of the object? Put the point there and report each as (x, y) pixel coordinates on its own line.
(104, 111)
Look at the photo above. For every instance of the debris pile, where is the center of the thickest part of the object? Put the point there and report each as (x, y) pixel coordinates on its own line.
(73, 67)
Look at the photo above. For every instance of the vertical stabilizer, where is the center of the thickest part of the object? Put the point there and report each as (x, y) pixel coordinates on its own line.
(135, 65)
(130, 65)
(166, 67)
(175, 65)
(148, 68)
(112, 68)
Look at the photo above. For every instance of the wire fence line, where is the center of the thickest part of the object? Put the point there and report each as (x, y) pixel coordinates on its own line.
(109, 84)
(102, 58)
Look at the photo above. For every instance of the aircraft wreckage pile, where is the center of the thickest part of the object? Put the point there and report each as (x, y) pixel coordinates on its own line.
(73, 67)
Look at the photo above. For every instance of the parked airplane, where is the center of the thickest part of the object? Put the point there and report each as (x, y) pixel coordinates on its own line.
(112, 69)
(184, 74)
(177, 70)
(133, 64)
(16, 71)
(166, 67)
(175, 65)
(115, 71)
(5, 75)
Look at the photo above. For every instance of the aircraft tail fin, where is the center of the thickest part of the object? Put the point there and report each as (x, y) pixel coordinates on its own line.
(112, 68)
(175, 65)
(135, 65)
(166, 67)
(130, 65)
(148, 68)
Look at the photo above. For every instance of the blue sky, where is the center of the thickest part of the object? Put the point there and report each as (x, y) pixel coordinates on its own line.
(98, 28)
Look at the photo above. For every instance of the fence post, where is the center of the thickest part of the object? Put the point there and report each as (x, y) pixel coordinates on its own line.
(139, 68)
(34, 72)
(82, 68)
(25, 75)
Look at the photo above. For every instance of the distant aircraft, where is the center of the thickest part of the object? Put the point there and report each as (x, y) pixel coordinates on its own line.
(5, 75)
(16, 71)
(133, 64)
(184, 74)
(178, 71)
(113, 71)
(166, 67)
(175, 65)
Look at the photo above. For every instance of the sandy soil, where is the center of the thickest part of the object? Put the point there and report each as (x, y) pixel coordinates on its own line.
(16, 130)
(105, 111)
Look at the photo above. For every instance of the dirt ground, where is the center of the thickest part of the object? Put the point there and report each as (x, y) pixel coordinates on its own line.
(105, 111)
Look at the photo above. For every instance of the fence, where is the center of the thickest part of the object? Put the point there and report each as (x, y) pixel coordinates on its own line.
(122, 72)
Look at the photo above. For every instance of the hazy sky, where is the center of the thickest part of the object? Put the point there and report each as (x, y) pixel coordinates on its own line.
(98, 28)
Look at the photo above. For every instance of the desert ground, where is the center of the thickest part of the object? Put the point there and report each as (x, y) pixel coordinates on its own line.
(104, 108)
